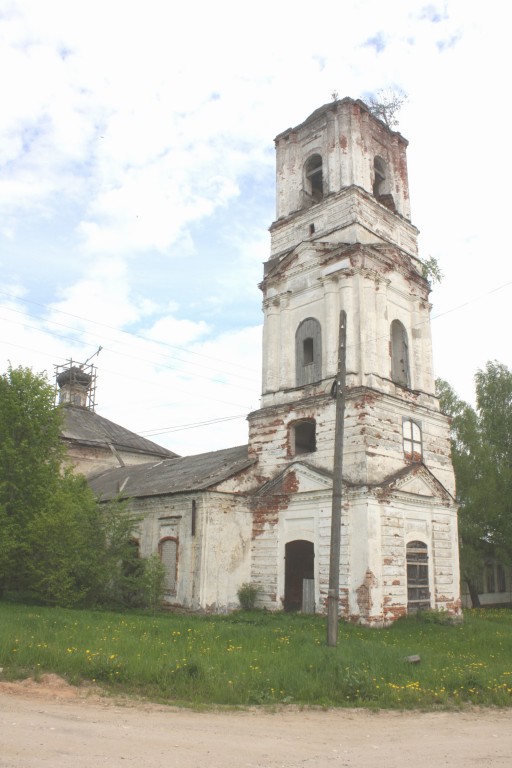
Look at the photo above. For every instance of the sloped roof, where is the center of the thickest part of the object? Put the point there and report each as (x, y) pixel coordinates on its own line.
(83, 426)
(178, 475)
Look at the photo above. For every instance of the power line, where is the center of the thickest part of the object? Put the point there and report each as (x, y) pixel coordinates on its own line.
(61, 336)
(112, 328)
(193, 425)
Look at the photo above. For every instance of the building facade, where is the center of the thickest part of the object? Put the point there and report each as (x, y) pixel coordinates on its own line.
(342, 241)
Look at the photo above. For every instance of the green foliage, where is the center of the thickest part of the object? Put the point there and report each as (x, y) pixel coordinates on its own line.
(247, 594)
(482, 461)
(57, 546)
(31, 454)
(62, 546)
(432, 271)
(153, 583)
(274, 659)
(435, 617)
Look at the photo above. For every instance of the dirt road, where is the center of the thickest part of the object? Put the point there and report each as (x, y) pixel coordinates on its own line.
(53, 725)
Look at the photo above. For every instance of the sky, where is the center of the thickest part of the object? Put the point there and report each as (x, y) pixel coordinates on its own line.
(137, 186)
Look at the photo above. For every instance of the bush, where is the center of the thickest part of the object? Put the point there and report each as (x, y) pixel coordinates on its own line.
(431, 616)
(247, 595)
(153, 583)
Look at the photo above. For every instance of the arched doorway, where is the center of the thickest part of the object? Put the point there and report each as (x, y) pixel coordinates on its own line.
(299, 565)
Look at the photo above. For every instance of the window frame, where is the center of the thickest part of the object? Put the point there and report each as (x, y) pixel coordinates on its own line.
(412, 455)
(164, 540)
(301, 424)
(314, 181)
(417, 572)
(308, 372)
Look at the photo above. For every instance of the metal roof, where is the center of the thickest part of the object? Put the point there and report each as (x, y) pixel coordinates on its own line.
(178, 475)
(82, 425)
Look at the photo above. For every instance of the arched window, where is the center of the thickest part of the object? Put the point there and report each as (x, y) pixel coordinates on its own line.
(308, 352)
(313, 179)
(168, 550)
(412, 440)
(303, 437)
(399, 354)
(418, 593)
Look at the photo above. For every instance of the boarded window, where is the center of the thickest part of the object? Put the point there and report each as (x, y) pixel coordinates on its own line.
(308, 352)
(169, 555)
(418, 593)
(303, 436)
(399, 354)
(313, 179)
(412, 440)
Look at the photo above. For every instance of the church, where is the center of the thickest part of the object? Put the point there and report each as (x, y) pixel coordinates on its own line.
(342, 242)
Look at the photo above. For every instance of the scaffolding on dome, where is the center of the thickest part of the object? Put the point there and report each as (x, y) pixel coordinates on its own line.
(75, 384)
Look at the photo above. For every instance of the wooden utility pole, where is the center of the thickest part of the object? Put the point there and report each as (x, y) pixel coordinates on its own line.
(334, 560)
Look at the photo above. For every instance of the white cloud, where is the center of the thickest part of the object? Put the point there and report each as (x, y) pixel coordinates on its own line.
(134, 142)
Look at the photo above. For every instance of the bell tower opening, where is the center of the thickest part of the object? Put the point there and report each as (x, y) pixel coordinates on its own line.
(313, 181)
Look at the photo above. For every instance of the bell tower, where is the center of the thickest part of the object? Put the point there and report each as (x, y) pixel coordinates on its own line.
(343, 240)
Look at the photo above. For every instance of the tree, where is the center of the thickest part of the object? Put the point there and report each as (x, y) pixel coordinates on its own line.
(31, 455)
(57, 544)
(386, 104)
(431, 270)
(482, 461)
(63, 546)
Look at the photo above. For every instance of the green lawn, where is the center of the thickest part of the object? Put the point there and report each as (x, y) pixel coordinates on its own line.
(260, 658)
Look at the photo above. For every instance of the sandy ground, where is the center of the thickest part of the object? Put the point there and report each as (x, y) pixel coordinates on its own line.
(52, 724)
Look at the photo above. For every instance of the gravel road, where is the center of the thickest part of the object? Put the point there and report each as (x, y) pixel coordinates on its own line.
(52, 724)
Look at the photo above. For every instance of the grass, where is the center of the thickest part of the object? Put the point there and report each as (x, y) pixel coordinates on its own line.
(249, 658)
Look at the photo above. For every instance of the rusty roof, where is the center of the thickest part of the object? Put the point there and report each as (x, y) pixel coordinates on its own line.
(177, 475)
(80, 425)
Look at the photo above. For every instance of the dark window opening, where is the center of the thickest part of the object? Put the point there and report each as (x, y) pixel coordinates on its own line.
(399, 354)
(311, 229)
(299, 567)
(418, 593)
(308, 351)
(193, 518)
(304, 436)
(413, 450)
(379, 177)
(381, 184)
(314, 183)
